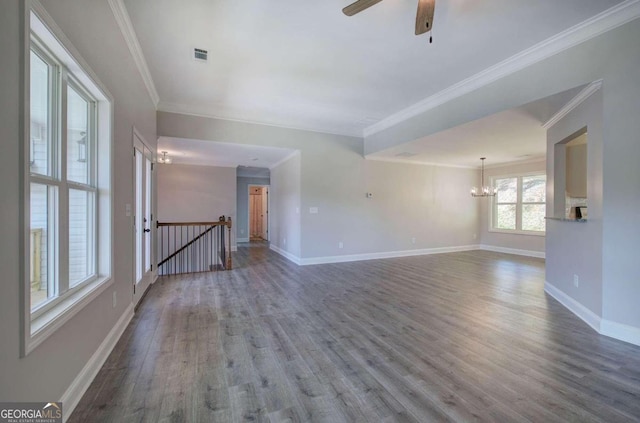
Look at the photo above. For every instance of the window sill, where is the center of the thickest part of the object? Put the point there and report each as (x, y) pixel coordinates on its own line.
(516, 232)
(53, 319)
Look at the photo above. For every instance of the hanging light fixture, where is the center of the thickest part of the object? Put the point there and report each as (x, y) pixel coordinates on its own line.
(485, 190)
(164, 159)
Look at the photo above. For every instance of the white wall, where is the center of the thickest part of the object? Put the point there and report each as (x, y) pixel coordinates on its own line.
(525, 243)
(242, 210)
(47, 372)
(195, 193)
(285, 206)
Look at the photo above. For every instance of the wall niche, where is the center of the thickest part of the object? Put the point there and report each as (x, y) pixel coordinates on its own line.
(570, 184)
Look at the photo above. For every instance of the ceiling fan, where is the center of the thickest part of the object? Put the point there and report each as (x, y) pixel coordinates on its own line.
(424, 18)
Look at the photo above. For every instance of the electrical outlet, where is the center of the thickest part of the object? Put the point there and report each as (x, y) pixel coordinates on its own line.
(242, 231)
(313, 210)
(475, 236)
(297, 210)
(576, 281)
(115, 299)
(284, 241)
(340, 244)
(413, 240)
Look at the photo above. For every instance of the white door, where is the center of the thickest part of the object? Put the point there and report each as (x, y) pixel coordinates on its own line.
(142, 220)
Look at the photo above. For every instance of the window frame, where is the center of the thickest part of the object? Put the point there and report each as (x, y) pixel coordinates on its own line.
(43, 36)
(519, 204)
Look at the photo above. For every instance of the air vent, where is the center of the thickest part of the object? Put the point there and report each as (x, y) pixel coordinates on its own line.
(200, 54)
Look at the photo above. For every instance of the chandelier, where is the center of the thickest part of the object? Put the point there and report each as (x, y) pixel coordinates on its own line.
(164, 158)
(484, 190)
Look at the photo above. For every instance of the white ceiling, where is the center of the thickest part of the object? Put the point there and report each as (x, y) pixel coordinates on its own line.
(304, 64)
(509, 136)
(209, 153)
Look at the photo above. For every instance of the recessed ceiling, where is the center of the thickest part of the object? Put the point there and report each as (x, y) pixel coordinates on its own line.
(510, 136)
(209, 153)
(307, 65)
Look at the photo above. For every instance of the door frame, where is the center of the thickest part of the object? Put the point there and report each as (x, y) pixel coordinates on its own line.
(152, 273)
(249, 210)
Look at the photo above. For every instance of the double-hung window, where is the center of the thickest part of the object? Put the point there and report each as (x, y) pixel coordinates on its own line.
(519, 205)
(69, 197)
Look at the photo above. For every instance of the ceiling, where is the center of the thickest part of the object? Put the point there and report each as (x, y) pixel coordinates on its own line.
(306, 65)
(209, 153)
(510, 136)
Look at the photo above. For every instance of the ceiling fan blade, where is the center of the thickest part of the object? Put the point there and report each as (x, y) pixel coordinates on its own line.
(359, 6)
(424, 18)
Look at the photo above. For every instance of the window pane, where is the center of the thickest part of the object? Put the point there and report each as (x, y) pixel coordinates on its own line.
(40, 112)
(507, 190)
(534, 189)
(41, 242)
(77, 137)
(81, 235)
(533, 217)
(506, 216)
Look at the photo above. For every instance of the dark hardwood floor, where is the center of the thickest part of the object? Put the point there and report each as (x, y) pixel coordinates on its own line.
(460, 337)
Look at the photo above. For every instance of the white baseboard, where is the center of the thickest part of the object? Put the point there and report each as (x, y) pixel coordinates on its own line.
(285, 254)
(627, 333)
(527, 253)
(588, 316)
(615, 330)
(81, 383)
(383, 255)
(242, 239)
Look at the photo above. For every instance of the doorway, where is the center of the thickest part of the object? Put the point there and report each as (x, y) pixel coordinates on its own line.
(142, 218)
(258, 213)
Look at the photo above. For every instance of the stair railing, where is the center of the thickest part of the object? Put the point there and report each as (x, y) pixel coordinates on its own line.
(192, 247)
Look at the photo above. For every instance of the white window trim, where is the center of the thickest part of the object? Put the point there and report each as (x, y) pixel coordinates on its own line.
(36, 327)
(519, 201)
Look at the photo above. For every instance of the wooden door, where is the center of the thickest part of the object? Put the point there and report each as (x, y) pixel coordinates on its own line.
(255, 211)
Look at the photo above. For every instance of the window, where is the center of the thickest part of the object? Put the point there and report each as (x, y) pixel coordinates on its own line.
(69, 197)
(519, 205)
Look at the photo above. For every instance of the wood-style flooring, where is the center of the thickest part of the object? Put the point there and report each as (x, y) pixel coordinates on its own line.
(465, 337)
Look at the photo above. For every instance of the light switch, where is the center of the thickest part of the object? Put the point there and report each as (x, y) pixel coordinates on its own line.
(313, 210)
(127, 209)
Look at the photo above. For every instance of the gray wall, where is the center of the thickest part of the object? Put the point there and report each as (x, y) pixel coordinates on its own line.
(285, 206)
(614, 57)
(242, 228)
(431, 204)
(195, 193)
(533, 243)
(48, 371)
(575, 248)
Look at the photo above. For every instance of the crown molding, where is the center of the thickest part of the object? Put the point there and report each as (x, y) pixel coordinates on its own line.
(417, 162)
(184, 109)
(126, 27)
(573, 103)
(605, 21)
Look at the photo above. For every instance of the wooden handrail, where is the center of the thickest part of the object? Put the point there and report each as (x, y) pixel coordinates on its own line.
(225, 223)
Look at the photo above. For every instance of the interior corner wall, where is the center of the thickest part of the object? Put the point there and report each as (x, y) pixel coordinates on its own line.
(188, 193)
(285, 206)
(525, 243)
(49, 370)
(575, 248)
(242, 208)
